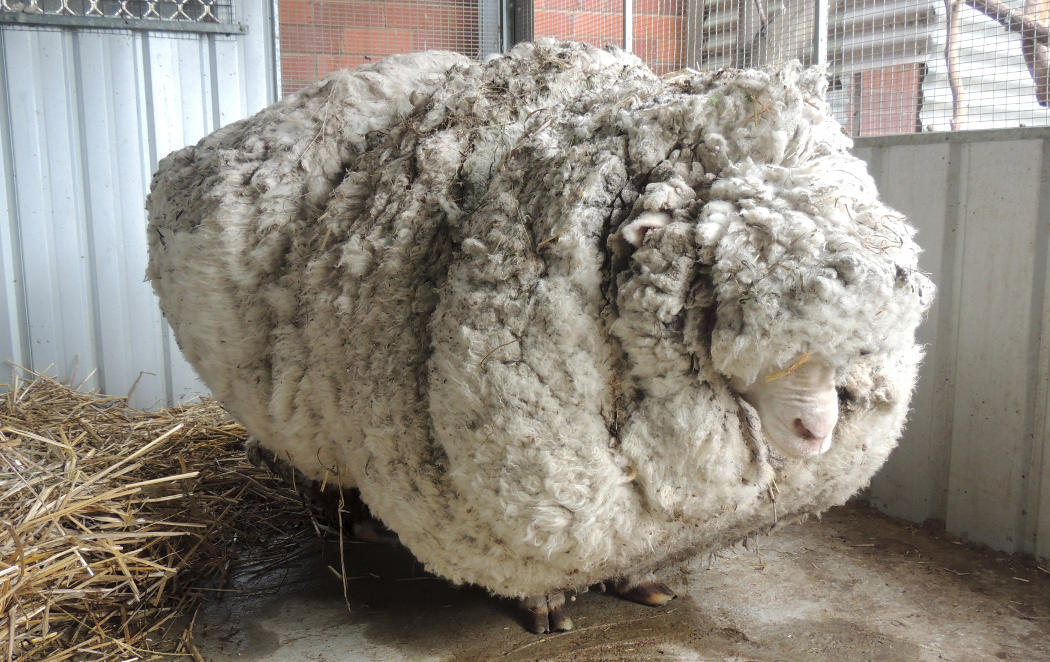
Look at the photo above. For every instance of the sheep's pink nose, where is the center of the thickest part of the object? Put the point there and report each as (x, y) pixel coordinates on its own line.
(815, 425)
(802, 431)
(814, 435)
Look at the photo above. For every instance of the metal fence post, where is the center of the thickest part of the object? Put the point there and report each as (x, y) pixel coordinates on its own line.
(489, 35)
(628, 26)
(517, 22)
(820, 32)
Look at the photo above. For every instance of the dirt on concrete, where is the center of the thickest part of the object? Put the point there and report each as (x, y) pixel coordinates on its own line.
(855, 586)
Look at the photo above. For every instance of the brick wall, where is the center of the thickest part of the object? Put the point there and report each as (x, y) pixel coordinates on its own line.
(659, 26)
(597, 22)
(320, 36)
(884, 101)
(659, 33)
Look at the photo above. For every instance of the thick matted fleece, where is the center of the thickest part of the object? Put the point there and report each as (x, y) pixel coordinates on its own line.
(412, 278)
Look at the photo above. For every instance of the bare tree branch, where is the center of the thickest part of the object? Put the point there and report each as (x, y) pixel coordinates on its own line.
(1012, 19)
(951, 56)
(1037, 56)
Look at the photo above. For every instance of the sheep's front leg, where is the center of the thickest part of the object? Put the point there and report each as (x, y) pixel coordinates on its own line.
(643, 590)
(546, 613)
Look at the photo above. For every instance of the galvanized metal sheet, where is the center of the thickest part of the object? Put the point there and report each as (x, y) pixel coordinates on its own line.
(998, 207)
(12, 319)
(88, 114)
(1038, 506)
(912, 484)
(49, 215)
(977, 448)
(116, 169)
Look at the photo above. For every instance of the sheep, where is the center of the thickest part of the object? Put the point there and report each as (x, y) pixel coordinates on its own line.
(557, 321)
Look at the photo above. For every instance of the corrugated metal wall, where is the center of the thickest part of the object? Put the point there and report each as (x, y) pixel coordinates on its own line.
(977, 450)
(84, 117)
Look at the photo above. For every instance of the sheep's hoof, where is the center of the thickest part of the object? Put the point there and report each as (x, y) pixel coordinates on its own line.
(648, 592)
(546, 613)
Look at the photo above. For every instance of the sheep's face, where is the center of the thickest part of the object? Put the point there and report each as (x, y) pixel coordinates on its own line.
(798, 407)
(798, 410)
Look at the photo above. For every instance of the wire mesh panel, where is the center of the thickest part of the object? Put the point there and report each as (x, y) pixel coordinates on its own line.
(895, 66)
(597, 22)
(878, 53)
(746, 33)
(994, 69)
(320, 36)
(204, 11)
(659, 31)
(656, 32)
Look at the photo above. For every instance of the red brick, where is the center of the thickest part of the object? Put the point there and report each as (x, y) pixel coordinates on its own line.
(370, 41)
(887, 101)
(544, 5)
(448, 16)
(349, 13)
(646, 49)
(670, 50)
(591, 24)
(326, 64)
(660, 7)
(662, 27)
(559, 24)
(347, 61)
(289, 85)
(581, 6)
(310, 39)
(295, 12)
(466, 43)
(298, 66)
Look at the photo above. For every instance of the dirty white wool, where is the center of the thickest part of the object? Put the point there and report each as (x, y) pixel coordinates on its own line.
(414, 278)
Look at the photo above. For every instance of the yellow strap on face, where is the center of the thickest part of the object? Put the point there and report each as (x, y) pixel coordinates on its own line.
(784, 373)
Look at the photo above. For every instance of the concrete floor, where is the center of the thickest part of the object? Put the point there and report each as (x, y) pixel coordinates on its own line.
(855, 586)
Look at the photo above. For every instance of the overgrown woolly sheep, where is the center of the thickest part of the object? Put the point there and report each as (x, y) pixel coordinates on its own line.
(559, 321)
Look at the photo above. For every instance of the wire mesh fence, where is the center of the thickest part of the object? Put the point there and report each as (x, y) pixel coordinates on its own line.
(318, 37)
(203, 11)
(659, 33)
(894, 66)
(597, 22)
(656, 31)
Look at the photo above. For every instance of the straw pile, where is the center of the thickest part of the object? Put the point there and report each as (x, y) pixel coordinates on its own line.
(115, 523)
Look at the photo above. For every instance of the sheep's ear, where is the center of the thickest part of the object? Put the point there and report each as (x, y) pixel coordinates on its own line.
(634, 232)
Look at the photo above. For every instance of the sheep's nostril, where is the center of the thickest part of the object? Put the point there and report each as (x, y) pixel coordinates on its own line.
(802, 431)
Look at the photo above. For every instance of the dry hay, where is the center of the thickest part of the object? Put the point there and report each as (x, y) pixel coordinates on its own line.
(115, 523)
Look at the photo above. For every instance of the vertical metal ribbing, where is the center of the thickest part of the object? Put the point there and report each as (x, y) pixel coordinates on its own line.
(11, 235)
(154, 158)
(1034, 520)
(80, 130)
